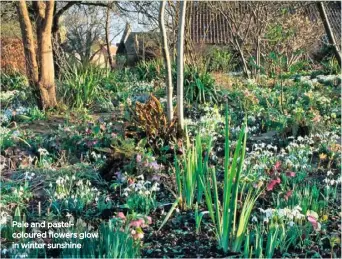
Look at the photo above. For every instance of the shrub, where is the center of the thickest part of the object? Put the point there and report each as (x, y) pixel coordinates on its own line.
(220, 60)
(331, 66)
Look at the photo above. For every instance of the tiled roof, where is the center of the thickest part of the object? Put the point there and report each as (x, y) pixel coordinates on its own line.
(333, 10)
(209, 25)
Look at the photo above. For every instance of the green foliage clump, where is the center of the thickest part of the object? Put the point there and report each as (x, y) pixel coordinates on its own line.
(199, 86)
(150, 70)
(220, 60)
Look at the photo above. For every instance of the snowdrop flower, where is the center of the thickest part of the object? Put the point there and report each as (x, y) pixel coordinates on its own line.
(3, 218)
(43, 151)
(291, 223)
(155, 187)
(329, 173)
(254, 219)
(268, 212)
(300, 138)
(59, 181)
(141, 177)
(93, 154)
(28, 176)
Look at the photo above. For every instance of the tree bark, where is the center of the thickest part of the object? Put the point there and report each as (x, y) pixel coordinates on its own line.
(167, 62)
(47, 72)
(180, 66)
(242, 55)
(29, 44)
(40, 65)
(110, 58)
(329, 31)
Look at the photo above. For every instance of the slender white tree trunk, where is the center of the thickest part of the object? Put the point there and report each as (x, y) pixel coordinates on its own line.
(110, 58)
(180, 66)
(167, 62)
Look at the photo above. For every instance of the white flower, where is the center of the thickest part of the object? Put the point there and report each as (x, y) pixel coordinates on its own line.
(27, 176)
(329, 173)
(3, 219)
(155, 187)
(43, 151)
(291, 223)
(127, 189)
(254, 219)
(140, 177)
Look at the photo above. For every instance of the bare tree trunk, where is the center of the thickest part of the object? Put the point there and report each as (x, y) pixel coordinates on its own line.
(47, 71)
(329, 31)
(180, 67)
(167, 62)
(29, 45)
(244, 62)
(40, 65)
(110, 58)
